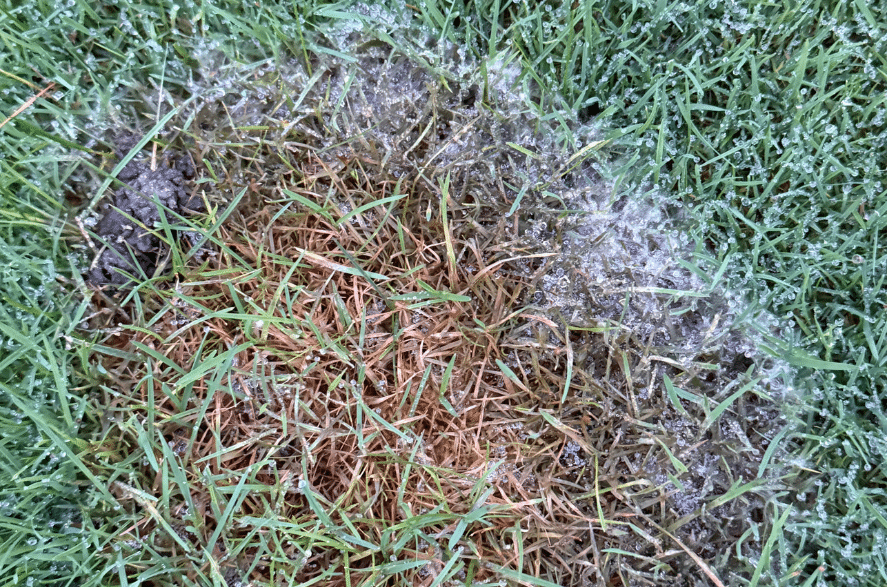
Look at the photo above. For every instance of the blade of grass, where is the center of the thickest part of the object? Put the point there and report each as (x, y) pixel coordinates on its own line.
(720, 408)
(448, 239)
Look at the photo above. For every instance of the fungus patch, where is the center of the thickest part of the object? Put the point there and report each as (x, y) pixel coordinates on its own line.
(429, 306)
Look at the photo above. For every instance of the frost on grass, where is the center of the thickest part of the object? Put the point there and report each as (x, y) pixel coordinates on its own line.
(430, 307)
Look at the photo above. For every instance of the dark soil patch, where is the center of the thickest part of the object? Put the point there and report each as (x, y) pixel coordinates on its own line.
(126, 224)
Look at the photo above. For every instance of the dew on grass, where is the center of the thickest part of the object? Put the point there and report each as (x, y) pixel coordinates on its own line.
(616, 268)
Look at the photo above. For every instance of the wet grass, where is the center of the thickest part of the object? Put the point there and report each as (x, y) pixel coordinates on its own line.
(764, 126)
(41, 410)
(761, 125)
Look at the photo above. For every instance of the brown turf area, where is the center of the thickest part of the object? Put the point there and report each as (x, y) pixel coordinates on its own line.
(378, 366)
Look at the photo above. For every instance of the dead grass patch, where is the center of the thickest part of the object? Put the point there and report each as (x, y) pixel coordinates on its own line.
(349, 384)
(370, 372)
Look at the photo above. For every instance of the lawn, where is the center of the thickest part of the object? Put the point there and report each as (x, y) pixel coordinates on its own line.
(542, 293)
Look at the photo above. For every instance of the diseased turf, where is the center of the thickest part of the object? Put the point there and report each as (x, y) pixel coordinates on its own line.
(397, 356)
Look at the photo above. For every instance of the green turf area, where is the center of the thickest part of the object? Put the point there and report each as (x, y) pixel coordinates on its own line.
(39, 408)
(762, 125)
(44, 488)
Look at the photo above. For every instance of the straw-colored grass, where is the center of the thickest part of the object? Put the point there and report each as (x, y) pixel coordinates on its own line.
(365, 368)
(347, 381)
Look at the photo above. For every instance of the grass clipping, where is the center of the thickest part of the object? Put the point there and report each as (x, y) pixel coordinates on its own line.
(347, 384)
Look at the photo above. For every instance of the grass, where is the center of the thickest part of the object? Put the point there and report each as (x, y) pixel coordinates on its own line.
(38, 409)
(760, 126)
(765, 126)
(314, 288)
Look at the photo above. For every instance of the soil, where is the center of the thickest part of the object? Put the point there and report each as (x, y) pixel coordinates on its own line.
(124, 224)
